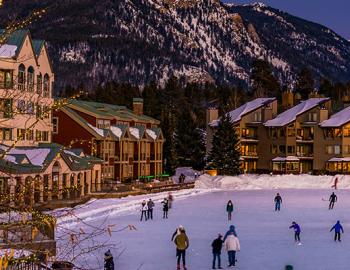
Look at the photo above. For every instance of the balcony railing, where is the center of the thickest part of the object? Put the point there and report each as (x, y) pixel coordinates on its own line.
(249, 154)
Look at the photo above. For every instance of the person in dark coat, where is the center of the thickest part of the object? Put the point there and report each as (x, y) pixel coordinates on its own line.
(332, 199)
(165, 203)
(338, 228)
(231, 230)
(150, 205)
(297, 231)
(109, 263)
(217, 246)
(278, 202)
(229, 209)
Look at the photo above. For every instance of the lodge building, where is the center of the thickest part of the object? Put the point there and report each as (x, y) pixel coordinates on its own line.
(129, 142)
(304, 138)
(33, 170)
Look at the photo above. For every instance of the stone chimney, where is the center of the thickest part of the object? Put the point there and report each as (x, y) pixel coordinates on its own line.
(137, 106)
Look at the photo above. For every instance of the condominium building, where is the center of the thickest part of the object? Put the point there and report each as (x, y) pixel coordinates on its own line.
(334, 147)
(129, 142)
(33, 170)
(248, 120)
(291, 134)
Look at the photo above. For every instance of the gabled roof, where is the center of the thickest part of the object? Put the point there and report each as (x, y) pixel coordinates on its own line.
(290, 115)
(337, 120)
(38, 44)
(108, 111)
(38, 158)
(237, 114)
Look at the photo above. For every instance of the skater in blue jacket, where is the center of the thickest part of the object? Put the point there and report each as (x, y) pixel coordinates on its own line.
(278, 202)
(337, 229)
(231, 230)
(297, 231)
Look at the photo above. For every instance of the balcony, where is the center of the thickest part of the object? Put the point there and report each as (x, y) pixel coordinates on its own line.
(305, 155)
(305, 139)
(249, 154)
(250, 138)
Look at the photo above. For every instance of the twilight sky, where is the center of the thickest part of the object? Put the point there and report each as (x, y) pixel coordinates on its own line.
(331, 13)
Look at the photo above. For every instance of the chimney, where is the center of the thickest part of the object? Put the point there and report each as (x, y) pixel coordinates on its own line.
(137, 106)
(212, 114)
(287, 99)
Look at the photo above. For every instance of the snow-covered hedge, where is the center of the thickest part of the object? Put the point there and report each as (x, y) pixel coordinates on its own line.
(251, 182)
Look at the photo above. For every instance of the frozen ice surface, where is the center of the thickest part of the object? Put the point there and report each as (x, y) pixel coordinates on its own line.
(267, 242)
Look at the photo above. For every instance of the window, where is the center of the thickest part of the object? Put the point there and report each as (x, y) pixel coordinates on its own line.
(257, 117)
(313, 117)
(6, 134)
(46, 85)
(39, 111)
(291, 131)
(30, 108)
(30, 135)
(46, 112)
(6, 79)
(21, 77)
(54, 125)
(5, 108)
(329, 149)
(39, 84)
(21, 134)
(21, 106)
(337, 149)
(290, 149)
(103, 123)
(30, 79)
(38, 135)
(45, 136)
(274, 149)
(282, 149)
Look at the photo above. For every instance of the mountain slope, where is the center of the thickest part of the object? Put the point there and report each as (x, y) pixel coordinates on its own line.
(139, 41)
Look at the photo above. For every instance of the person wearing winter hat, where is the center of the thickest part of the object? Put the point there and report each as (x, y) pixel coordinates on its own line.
(177, 232)
(232, 245)
(108, 261)
(217, 246)
(182, 243)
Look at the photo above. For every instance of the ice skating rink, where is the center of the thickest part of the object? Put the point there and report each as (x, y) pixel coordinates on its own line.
(266, 241)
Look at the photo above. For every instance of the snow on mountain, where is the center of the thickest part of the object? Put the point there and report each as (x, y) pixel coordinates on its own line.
(139, 41)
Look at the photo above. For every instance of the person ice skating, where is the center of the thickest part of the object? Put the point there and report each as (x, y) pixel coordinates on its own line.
(150, 205)
(177, 232)
(109, 263)
(165, 203)
(297, 231)
(144, 210)
(278, 202)
(332, 199)
(232, 245)
(338, 228)
(217, 246)
(229, 209)
(170, 200)
(232, 230)
(182, 243)
(335, 183)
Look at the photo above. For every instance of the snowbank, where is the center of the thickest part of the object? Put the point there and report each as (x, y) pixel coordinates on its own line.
(252, 182)
(188, 172)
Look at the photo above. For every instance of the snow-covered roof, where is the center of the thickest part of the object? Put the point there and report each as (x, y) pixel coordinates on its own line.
(288, 158)
(35, 156)
(290, 115)
(151, 133)
(7, 51)
(346, 159)
(116, 131)
(236, 115)
(339, 119)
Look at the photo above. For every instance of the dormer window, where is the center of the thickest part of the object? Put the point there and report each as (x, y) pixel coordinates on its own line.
(257, 116)
(313, 117)
(103, 123)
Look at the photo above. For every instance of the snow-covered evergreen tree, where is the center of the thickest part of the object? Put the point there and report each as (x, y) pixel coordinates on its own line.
(225, 154)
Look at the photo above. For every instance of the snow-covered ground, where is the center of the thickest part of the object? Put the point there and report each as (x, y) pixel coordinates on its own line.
(266, 241)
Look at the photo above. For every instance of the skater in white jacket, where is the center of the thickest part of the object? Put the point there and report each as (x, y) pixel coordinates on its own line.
(144, 210)
(232, 245)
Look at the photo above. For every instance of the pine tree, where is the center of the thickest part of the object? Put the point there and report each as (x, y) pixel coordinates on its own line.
(189, 141)
(264, 83)
(305, 83)
(225, 154)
